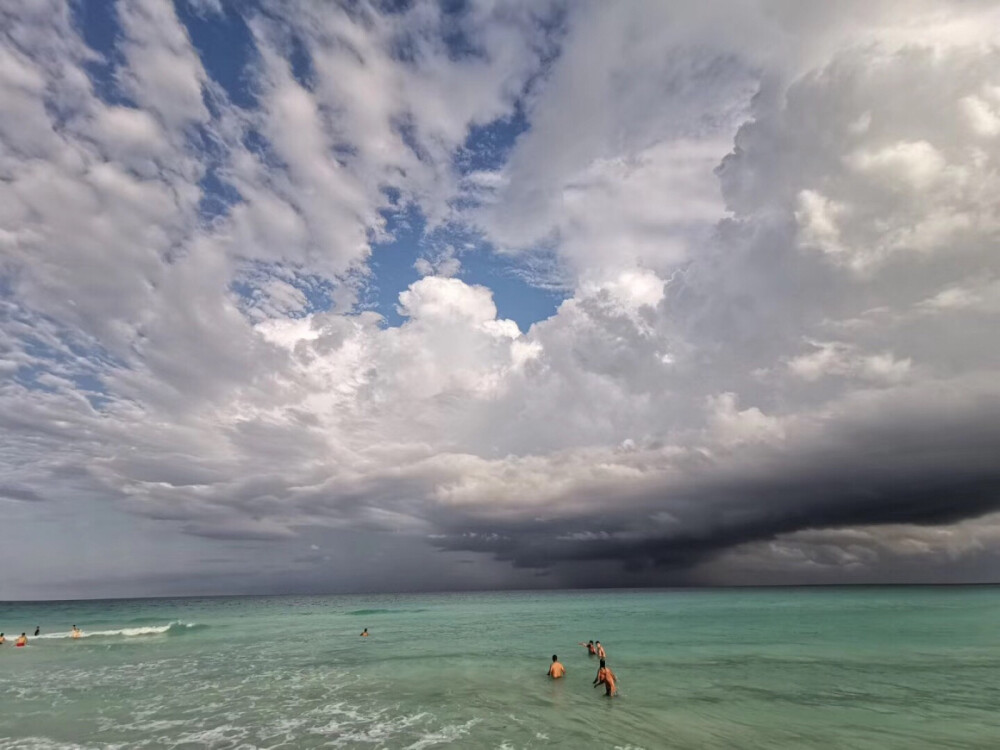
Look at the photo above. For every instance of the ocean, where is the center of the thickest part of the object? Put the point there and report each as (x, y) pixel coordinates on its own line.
(869, 667)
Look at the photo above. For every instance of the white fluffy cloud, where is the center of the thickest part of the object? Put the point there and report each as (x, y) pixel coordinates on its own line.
(815, 309)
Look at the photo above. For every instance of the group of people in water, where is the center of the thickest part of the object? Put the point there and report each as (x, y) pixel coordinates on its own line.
(22, 640)
(604, 674)
(556, 670)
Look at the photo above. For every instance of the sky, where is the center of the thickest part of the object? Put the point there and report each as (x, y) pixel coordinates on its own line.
(396, 296)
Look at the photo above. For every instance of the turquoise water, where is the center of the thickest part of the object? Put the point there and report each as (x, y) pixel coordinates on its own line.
(779, 668)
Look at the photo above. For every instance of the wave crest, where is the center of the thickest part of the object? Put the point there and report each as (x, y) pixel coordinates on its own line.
(173, 628)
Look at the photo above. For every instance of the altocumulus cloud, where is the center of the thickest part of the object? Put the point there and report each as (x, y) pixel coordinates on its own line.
(776, 357)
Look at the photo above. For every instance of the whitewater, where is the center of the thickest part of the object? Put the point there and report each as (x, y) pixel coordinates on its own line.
(124, 632)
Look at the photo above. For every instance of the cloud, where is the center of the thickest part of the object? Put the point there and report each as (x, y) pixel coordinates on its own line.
(832, 358)
(873, 195)
(885, 554)
(779, 269)
(860, 473)
(973, 295)
(163, 74)
(25, 494)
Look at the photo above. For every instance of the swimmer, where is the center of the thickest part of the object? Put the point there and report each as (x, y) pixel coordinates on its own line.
(22, 641)
(607, 678)
(589, 645)
(37, 630)
(75, 633)
(364, 633)
(2, 639)
(600, 650)
(556, 670)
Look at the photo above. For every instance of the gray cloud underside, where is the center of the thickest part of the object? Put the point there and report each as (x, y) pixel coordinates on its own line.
(19, 493)
(927, 467)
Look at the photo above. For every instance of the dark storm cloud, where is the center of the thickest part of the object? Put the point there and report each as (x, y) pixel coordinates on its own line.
(926, 467)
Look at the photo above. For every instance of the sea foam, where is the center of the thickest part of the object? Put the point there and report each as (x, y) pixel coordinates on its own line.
(170, 628)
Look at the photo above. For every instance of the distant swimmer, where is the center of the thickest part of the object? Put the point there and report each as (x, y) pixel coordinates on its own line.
(589, 645)
(75, 633)
(364, 633)
(37, 630)
(2, 639)
(607, 678)
(22, 641)
(556, 670)
(600, 650)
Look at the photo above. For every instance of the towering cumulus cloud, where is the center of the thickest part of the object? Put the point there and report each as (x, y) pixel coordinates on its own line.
(269, 284)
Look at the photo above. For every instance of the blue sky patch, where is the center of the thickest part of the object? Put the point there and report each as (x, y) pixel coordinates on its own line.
(393, 269)
(225, 45)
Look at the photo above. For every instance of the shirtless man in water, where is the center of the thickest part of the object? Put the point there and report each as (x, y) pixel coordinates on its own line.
(600, 650)
(364, 633)
(607, 678)
(589, 645)
(556, 670)
(22, 641)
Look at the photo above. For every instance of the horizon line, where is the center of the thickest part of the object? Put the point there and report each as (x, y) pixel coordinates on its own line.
(698, 587)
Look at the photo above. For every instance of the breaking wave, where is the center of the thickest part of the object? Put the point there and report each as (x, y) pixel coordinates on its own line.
(173, 628)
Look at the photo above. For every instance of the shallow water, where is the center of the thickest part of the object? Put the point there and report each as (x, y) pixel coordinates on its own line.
(769, 668)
